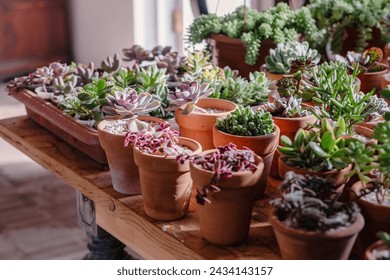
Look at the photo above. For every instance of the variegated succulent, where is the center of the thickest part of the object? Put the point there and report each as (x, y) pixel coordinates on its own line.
(127, 103)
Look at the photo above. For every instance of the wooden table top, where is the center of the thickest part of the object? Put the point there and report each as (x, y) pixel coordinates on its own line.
(123, 216)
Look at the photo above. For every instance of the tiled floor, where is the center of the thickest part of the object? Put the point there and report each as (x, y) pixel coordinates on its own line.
(38, 218)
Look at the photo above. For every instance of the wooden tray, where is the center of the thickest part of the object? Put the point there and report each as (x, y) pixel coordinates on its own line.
(46, 114)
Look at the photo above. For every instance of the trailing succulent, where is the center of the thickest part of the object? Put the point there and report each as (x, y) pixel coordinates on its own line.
(280, 59)
(279, 24)
(223, 162)
(246, 122)
(368, 61)
(310, 203)
(338, 16)
(318, 150)
(290, 107)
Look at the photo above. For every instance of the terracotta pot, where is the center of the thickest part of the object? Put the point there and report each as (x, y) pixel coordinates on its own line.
(123, 171)
(371, 80)
(377, 217)
(263, 146)
(385, 80)
(295, 244)
(273, 76)
(378, 245)
(289, 127)
(198, 126)
(226, 220)
(166, 185)
(386, 52)
(337, 175)
(231, 52)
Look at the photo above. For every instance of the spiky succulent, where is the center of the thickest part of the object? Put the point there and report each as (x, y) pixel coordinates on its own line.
(280, 59)
(127, 103)
(290, 107)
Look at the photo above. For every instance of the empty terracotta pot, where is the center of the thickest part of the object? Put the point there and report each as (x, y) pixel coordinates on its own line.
(296, 244)
(123, 171)
(165, 184)
(199, 126)
(226, 220)
(263, 146)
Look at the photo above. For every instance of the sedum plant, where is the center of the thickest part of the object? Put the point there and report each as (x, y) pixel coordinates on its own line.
(310, 203)
(280, 59)
(279, 24)
(246, 122)
(317, 150)
(286, 107)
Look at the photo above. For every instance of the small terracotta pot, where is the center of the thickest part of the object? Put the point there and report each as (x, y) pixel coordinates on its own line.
(337, 175)
(296, 244)
(166, 185)
(226, 220)
(289, 127)
(371, 80)
(198, 126)
(377, 217)
(263, 146)
(123, 171)
(273, 76)
(378, 245)
(385, 80)
(231, 52)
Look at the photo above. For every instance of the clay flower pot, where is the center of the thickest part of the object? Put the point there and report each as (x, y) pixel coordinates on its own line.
(378, 245)
(166, 185)
(371, 80)
(199, 126)
(124, 172)
(296, 244)
(231, 52)
(289, 127)
(273, 76)
(226, 220)
(336, 174)
(377, 217)
(263, 146)
(385, 80)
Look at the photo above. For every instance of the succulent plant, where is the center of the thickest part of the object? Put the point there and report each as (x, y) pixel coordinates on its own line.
(223, 162)
(280, 59)
(136, 54)
(246, 122)
(188, 94)
(127, 103)
(111, 64)
(161, 51)
(286, 107)
(384, 253)
(310, 203)
(64, 87)
(197, 62)
(368, 61)
(376, 108)
(318, 150)
(172, 62)
(85, 74)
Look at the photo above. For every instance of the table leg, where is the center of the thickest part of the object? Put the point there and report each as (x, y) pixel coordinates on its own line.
(102, 245)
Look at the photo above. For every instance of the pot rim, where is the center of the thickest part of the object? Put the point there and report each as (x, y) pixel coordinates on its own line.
(226, 39)
(379, 244)
(376, 73)
(311, 172)
(358, 185)
(352, 229)
(274, 134)
(222, 114)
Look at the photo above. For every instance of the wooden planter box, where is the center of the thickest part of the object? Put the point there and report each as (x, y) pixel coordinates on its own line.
(46, 114)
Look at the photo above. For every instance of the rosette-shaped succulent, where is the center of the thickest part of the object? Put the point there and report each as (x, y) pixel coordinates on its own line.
(136, 54)
(188, 94)
(290, 107)
(368, 61)
(172, 62)
(84, 73)
(111, 64)
(160, 50)
(127, 103)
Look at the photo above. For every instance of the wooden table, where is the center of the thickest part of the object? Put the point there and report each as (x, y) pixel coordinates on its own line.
(122, 216)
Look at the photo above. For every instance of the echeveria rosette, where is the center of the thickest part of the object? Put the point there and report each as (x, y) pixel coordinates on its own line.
(127, 103)
(187, 94)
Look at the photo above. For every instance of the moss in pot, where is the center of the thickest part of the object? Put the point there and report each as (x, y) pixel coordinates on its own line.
(309, 221)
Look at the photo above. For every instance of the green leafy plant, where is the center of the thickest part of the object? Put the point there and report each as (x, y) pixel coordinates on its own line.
(310, 203)
(246, 122)
(317, 150)
(280, 59)
(279, 24)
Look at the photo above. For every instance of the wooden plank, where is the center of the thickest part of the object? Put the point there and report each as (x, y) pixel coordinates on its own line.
(123, 216)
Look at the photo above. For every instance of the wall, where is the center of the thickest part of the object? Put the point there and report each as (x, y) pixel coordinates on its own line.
(100, 28)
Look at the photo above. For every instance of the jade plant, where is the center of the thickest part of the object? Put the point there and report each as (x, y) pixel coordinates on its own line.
(223, 162)
(246, 122)
(290, 107)
(310, 203)
(280, 24)
(368, 61)
(281, 58)
(317, 150)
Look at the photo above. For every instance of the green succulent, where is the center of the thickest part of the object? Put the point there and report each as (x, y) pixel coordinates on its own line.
(246, 122)
(286, 107)
(280, 59)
